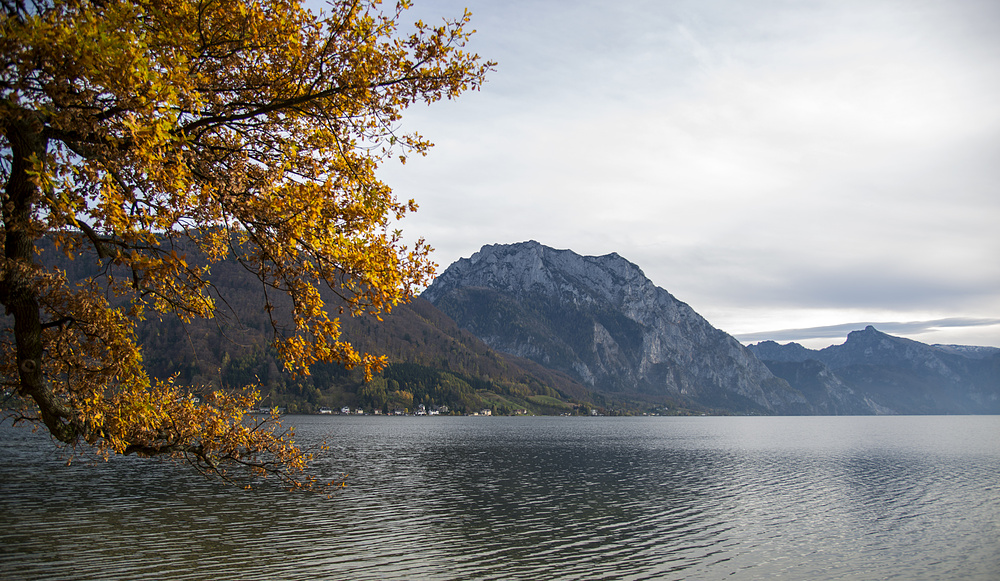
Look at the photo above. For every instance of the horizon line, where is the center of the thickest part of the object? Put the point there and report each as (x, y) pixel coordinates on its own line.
(841, 330)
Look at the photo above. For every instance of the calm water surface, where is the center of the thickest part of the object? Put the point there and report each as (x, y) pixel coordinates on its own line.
(533, 498)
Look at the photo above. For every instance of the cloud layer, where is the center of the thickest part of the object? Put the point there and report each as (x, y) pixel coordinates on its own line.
(821, 334)
(775, 164)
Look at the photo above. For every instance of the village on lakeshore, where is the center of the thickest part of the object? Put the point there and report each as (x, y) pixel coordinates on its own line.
(421, 410)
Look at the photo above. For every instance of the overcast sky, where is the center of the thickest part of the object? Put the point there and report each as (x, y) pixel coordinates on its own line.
(790, 169)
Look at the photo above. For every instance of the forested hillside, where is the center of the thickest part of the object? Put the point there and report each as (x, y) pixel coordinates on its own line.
(431, 360)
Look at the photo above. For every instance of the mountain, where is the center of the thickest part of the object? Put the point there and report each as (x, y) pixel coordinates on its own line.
(524, 326)
(894, 375)
(431, 360)
(970, 351)
(599, 320)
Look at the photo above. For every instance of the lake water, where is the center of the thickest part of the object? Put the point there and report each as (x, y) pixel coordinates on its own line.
(533, 498)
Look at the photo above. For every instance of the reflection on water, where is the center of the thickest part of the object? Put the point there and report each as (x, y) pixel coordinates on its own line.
(534, 498)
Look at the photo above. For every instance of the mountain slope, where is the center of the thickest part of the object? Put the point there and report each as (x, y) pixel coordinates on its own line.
(896, 375)
(601, 321)
(431, 359)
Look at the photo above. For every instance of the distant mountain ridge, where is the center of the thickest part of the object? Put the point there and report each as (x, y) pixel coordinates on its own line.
(601, 321)
(525, 326)
(970, 351)
(894, 375)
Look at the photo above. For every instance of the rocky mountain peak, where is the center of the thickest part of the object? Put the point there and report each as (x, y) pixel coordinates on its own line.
(599, 319)
(875, 346)
(530, 268)
(868, 335)
(772, 351)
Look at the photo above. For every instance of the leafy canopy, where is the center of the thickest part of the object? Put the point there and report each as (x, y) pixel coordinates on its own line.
(136, 131)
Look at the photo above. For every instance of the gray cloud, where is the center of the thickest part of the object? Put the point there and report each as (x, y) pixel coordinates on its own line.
(774, 164)
(841, 330)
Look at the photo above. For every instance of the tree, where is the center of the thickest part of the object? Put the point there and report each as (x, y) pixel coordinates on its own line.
(136, 131)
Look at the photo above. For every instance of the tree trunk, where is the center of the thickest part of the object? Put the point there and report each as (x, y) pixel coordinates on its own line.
(17, 291)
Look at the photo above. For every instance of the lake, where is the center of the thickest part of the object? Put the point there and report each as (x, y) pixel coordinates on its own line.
(735, 498)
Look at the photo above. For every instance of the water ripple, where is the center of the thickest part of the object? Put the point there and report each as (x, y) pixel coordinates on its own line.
(532, 498)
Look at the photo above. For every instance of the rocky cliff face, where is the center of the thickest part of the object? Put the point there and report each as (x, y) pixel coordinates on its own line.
(599, 319)
(895, 375)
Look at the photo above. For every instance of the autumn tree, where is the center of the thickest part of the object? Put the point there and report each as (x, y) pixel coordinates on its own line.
(135, 131)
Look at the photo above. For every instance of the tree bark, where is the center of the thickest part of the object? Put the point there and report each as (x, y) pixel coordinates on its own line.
(17, 291)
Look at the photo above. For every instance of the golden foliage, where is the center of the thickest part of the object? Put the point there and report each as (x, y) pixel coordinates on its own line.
(138, 128)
